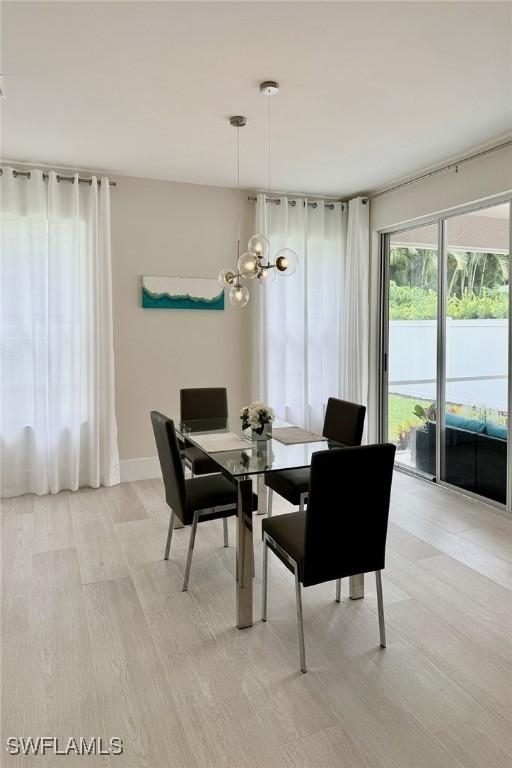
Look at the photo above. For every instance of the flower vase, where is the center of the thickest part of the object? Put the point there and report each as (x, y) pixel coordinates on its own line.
(266, 433)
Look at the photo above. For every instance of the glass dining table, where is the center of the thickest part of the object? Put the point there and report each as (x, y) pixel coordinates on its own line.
(242, 464)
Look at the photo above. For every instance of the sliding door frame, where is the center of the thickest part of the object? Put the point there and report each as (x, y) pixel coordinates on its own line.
(384, 239)
(441, 350)
(509, 433)
(440, 220)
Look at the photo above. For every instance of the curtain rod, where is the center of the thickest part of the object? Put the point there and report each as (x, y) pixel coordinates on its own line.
(81, 180)
(293, 203)
(454, 164)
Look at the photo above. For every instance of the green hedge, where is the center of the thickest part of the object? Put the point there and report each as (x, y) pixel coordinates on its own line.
(407, 303)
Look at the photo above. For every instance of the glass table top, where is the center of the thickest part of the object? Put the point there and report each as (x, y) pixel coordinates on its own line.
(258, 457)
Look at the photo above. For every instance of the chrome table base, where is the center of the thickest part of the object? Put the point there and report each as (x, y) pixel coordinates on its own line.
(262, 495)
(356, 586)
(244, 554)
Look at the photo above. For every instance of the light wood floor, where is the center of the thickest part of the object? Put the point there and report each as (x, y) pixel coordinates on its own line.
(99, 640)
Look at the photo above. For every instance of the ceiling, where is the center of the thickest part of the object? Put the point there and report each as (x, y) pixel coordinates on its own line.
(370, 92)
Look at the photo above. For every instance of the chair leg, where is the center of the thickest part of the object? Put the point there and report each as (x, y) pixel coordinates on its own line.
(169, 535)
(382, 628)
(190, 551)
(300, 624)
(226, 534)
(338, 590)
(269, 502)
(264, 582)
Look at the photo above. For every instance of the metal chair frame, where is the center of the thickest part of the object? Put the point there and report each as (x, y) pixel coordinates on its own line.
(197, 515)
(269, 542)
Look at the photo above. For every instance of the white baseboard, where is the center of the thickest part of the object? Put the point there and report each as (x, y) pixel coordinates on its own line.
(139, 469)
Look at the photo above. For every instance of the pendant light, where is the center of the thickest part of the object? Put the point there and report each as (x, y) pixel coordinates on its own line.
(255, 263)
(238, 293)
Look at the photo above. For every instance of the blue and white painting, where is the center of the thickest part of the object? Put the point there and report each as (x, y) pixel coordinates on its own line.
(181, 293)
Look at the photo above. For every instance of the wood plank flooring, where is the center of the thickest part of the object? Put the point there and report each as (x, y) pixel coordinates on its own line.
(98, 640)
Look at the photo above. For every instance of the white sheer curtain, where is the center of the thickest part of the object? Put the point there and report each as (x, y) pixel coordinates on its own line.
(356, 306)
(311, 329)
(57, 419)
(298, 321)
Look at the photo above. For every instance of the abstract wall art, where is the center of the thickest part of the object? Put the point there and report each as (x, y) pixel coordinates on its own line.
(181, 293)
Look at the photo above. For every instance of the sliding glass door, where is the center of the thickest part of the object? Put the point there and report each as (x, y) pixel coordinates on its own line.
(446, 340)
(476, 309)
(412, 286)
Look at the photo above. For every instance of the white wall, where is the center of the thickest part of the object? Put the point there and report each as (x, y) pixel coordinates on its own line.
(166, 228)
(479, 179)
(474, 348)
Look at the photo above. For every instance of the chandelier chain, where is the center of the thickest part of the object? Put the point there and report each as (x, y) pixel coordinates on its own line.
(269, 148)
(238, 188)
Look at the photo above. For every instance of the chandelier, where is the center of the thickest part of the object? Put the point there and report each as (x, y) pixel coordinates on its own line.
(256, 262)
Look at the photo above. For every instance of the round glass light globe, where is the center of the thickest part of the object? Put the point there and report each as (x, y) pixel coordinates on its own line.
(225, 277)
(248, 265)
(286, 262)
(259, 245)
(238, 295)
(266, 275)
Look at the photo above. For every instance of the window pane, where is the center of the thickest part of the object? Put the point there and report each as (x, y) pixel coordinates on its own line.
(413, 270)
(477, 310)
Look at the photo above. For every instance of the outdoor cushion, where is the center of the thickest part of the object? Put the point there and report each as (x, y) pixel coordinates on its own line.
(463, 422)
(496, 430)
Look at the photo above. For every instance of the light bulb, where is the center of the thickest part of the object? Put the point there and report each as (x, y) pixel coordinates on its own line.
(286, 262)
(238, 295)
(248, 265)
(266, 275)
(226, 277)
(259, 245)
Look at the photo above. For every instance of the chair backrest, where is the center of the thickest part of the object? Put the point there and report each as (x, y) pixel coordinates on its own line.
(170, 464)
(347, 512)
(344, 421)
(203, 403)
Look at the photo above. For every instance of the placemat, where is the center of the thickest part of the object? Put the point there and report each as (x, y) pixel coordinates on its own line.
(295, 435)
(221, 441)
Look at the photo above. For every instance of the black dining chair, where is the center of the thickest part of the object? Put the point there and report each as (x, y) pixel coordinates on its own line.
(343, 530)
(193, 500)
(197, 404)
(343, 423)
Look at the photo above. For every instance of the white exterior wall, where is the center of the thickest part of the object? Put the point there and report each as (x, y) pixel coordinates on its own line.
(474, 348)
